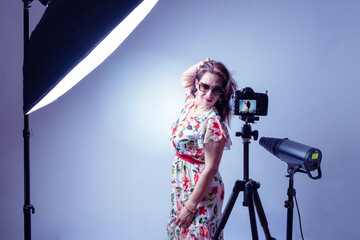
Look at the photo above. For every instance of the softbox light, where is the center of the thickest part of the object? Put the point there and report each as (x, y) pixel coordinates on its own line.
(72, 38)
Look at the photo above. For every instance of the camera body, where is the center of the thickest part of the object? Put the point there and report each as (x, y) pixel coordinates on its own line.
(249, 103)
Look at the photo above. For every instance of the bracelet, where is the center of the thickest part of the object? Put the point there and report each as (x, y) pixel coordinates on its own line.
(192, 211)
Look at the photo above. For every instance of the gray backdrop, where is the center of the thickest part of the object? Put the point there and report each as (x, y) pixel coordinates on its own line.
(100, 155)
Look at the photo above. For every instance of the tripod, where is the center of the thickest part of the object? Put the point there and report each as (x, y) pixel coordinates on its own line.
(248, 186)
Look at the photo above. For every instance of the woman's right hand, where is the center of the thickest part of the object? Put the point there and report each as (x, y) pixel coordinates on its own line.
(199, 64)
(188, 76)
(185, 217)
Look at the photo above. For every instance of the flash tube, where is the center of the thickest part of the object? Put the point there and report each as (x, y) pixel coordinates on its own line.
(297, 155)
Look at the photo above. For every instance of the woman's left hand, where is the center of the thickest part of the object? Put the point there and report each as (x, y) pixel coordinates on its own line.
(185, 217)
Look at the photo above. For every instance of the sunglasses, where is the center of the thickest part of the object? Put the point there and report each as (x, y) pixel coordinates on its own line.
(215, 90)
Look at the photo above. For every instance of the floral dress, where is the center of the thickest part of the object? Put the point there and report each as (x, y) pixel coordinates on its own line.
(188, 138)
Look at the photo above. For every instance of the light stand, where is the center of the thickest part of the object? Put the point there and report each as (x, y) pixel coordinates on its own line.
(300, 158)
(289, 204)
(28, 209)
(248, 186)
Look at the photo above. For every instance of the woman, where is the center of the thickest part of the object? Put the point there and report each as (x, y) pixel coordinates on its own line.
(199, 137)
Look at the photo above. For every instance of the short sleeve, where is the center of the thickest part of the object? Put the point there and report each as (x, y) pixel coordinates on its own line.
(188, 97)
(214, 131)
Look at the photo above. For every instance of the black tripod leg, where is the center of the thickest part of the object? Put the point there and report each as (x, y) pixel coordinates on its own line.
(239, 186)
(249, 191)
(261, 213)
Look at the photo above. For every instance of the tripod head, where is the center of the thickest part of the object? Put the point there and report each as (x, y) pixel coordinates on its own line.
(246, 132)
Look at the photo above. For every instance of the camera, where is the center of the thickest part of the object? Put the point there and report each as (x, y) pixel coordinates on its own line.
(249, 103)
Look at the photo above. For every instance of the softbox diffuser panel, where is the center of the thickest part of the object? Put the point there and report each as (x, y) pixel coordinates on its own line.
(66, 33)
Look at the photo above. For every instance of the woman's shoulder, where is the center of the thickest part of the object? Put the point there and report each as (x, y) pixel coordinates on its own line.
(218, 129)
(189, 99)
(214, 115)
(188, 94)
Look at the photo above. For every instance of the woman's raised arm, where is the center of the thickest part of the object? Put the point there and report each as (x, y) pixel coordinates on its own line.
(188, 76)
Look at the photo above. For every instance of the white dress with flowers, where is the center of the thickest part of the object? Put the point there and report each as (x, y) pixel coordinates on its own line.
(188, 138)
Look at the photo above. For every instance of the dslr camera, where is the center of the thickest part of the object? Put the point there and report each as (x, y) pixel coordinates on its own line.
(249, 103)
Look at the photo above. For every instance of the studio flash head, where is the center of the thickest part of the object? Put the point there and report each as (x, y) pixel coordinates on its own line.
(298, 156)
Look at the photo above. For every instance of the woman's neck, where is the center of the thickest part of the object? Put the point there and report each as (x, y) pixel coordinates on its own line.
(198, 108)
